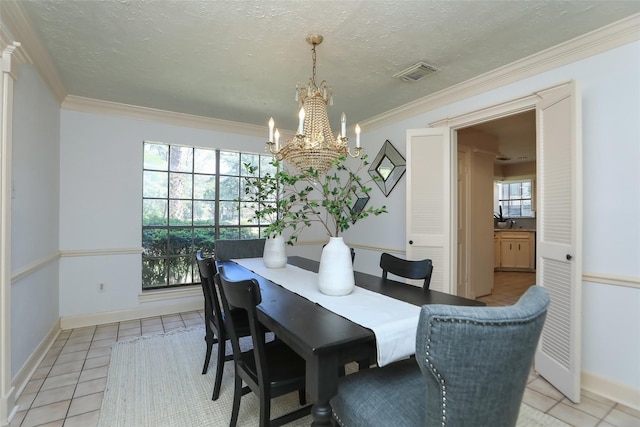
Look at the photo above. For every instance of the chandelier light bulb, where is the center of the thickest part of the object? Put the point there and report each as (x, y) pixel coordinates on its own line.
(271, 125)
(343, 120)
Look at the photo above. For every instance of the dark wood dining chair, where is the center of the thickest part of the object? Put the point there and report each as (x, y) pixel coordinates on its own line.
(270, 369)
(215, 331)
(226, 249)
(351, 250)
(421, 269)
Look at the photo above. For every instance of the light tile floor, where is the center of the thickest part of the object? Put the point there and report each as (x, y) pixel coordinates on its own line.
(67, 388)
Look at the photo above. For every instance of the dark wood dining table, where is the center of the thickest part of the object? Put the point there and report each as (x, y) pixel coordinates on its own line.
(324, 339)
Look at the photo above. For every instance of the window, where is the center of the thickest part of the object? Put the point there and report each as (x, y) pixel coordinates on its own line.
(191, 197)
(515, 197)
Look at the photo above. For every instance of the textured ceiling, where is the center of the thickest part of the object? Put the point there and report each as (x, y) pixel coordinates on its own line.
(240, 60)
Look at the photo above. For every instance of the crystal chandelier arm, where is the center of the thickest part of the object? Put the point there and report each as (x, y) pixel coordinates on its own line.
(356, 153)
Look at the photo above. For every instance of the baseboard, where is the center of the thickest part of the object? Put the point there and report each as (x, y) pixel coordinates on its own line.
(620, 393)
(19, 382)
(70, 322)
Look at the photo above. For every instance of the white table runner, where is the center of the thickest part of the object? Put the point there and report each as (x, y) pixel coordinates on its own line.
(393, 322)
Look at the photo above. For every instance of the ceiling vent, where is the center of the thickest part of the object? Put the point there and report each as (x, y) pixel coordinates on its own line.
(416, 72)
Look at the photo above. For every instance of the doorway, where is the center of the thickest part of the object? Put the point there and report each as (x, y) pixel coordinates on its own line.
(558, 240)
(497, 150)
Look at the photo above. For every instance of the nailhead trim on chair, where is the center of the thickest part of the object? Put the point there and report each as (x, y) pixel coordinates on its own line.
(439, 377)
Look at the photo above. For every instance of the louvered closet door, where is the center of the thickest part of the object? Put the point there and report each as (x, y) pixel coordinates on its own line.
(559, 231)
(429, 202)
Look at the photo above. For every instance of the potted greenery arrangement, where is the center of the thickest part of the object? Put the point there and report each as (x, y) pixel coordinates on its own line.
(333, 210)
(296, 200)
(272, 198)
(502, 221)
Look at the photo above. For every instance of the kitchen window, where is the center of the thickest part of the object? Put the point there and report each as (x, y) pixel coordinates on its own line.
(516, 198)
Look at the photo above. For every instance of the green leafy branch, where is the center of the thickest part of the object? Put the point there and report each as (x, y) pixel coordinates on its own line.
(296, 200)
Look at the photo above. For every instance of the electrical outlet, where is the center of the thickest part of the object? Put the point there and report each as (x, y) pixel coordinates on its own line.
(101, 287)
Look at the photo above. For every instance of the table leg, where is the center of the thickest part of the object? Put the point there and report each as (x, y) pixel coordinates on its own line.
(322, 385)
(321, 414)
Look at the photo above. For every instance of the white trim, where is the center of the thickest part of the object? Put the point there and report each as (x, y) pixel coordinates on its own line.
(99, 252)
(492, 112)
(611, 36)
(171, 293)
(610, 279)
(71, 322)
(33, 362)
(22, 30)
(33, 267)
(352, 245)
(18, 55)
(8, 67)
(88, 105)
(620, 393)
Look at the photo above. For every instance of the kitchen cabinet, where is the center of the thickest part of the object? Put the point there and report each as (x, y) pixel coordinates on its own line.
(514, 250)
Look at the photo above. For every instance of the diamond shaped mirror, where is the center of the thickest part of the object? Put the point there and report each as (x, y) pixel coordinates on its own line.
(387, 168)
(358, 198)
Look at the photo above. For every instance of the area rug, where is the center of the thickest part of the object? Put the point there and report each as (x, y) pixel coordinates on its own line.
(156, 381)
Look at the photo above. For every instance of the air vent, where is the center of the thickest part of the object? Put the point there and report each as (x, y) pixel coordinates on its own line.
(416, 72)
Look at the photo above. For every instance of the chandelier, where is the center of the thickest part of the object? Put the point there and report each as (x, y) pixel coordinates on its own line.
(314, 145)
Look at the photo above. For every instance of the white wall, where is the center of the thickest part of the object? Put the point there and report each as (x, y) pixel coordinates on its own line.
(35, 215)
(101, 205)
(610, 85)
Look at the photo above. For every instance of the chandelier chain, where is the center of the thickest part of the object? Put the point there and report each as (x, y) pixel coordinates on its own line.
(313, 57)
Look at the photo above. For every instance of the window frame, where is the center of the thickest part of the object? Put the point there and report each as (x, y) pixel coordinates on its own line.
(498, 201)
(164, 264)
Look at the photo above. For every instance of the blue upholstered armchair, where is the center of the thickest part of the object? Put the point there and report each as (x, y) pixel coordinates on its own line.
(470, 369)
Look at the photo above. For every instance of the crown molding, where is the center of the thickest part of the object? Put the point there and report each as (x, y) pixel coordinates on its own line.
(22, 31)
(609, 37)
(90, 105)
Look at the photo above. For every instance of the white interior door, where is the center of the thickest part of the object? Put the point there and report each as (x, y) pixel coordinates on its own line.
(429, 208)
(464, 287)
(559, 231)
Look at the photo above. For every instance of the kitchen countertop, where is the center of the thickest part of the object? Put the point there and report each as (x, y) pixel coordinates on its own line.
(514, 229)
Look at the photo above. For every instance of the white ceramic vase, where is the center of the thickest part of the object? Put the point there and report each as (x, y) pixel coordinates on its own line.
(275, 253)
(335, 276)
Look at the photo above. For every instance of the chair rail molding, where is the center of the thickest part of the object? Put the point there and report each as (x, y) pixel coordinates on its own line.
(33, 267)
(65, 253)
(611, 279)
